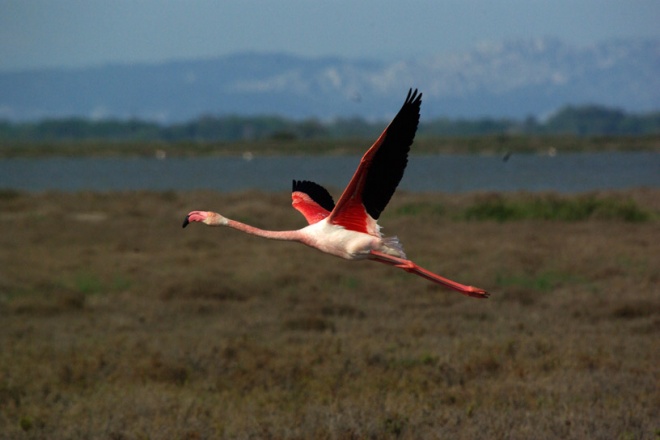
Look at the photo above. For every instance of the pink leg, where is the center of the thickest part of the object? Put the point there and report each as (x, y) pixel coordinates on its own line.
(411, 267)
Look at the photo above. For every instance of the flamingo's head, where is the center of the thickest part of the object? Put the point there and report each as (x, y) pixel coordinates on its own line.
(206, 217)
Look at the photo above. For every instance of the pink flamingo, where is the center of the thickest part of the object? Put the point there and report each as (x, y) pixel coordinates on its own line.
(349, 229)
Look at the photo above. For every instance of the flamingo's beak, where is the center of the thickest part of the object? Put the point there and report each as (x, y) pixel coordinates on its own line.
(197, 216)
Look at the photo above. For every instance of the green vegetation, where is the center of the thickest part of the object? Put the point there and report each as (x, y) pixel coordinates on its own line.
(552, 207)
(570, 130)
(576, 121)
(545, 206)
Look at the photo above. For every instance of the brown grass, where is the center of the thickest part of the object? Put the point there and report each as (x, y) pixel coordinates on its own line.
(118, 324)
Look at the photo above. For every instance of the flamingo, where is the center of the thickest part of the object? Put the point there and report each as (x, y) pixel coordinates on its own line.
(349, 229)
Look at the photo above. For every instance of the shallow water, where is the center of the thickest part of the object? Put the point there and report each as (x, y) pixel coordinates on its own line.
(566, 173)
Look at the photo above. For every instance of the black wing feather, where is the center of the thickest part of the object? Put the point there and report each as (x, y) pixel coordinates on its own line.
(316, 192)
(391, 159)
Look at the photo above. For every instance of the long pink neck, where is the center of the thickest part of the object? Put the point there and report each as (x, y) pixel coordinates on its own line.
(274, 235)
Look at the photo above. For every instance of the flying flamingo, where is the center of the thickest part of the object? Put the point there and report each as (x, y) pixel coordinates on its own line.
(349, 229)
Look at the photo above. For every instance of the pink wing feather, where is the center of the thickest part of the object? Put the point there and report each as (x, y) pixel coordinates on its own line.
(312, 200)
(312, 211)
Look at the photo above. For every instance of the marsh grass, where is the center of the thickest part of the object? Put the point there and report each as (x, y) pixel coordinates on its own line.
(549, 206)
(546, 281)
(125, 326)
(554, 207)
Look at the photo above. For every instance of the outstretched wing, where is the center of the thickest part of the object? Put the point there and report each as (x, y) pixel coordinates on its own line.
(311, 200)
(380, 170)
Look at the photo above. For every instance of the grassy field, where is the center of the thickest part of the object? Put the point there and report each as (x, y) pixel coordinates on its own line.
(118, 324)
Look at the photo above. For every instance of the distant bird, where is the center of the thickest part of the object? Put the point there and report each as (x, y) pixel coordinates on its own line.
(349, 229)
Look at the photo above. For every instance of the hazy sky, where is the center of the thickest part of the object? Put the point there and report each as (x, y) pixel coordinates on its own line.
(68, 33)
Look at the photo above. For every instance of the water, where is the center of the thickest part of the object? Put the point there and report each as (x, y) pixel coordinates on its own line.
(567, 173)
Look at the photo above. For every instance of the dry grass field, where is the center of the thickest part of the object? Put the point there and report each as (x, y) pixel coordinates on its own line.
(115, 323)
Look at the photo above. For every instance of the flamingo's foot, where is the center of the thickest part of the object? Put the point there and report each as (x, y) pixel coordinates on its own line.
(475, 292)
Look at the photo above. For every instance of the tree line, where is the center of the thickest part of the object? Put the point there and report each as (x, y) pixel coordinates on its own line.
(589, 120)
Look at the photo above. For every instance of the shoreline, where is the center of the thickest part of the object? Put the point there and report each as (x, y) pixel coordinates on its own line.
(485, 145)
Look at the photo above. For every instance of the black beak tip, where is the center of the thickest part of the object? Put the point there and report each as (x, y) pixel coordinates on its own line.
(185, 222)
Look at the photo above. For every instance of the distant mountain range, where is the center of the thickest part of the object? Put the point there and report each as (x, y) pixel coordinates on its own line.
(512, 79)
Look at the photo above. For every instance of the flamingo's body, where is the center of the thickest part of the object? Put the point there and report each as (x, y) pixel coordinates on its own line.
(349, 229)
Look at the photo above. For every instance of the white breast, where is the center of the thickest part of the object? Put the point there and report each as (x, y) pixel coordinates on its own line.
(337, 240)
